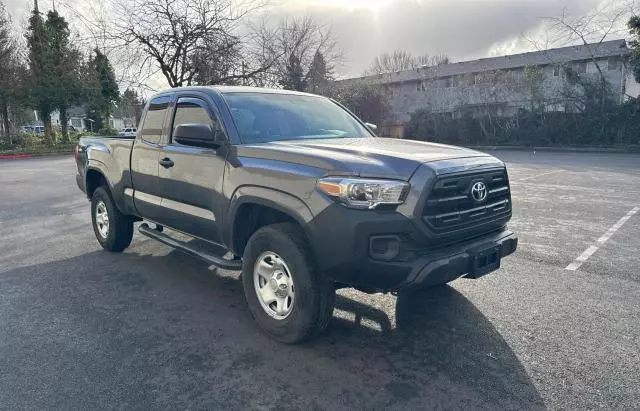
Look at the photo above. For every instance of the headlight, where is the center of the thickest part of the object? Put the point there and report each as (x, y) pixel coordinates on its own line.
(361, 193)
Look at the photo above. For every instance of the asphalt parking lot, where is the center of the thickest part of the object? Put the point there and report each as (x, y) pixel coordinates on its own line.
(152, 328)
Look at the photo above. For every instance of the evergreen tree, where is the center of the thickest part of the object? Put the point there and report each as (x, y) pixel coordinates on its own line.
(41, 78)
(318, 75)
(10, 76)
(130, 104)
(293, 78)
(102, 89)
(65, 66)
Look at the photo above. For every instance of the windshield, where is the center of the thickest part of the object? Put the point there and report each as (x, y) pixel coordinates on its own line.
(264, 117)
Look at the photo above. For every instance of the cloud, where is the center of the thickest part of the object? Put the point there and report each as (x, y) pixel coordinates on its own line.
(462, 29)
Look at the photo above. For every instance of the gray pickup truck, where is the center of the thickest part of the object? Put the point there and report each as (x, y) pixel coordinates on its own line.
(300, 195)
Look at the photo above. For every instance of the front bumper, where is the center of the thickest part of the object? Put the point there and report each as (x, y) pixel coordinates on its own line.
(341, 242)
(457, 261)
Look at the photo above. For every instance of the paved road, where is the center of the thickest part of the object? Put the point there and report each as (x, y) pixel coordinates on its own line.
(151, 328)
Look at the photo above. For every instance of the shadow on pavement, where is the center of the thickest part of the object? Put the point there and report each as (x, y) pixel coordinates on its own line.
(132, 330)
(441, 343)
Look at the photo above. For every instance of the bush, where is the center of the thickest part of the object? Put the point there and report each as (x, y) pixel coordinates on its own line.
(36, 143)
(618, 125)
(108, 131)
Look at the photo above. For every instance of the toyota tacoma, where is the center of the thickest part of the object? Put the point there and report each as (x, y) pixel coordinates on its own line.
(300, 195)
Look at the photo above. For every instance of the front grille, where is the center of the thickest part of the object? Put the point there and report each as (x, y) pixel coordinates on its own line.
(451, 207)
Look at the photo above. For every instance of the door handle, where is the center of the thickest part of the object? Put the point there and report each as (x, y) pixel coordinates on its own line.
(166, 162)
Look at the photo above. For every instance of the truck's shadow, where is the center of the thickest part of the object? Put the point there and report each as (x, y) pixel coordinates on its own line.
(162, 331)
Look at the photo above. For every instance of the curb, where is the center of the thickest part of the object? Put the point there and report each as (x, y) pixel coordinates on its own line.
(53, 154)
(18, 156)
(14, 156)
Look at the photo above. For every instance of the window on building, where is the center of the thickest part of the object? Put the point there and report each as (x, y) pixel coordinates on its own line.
(76, 122)
(484, 77)
(154, 120)
(444, 82)
(556, 71)
(580, 67)
(592, 67)
(468, 79)
(614, 63)
(516, 74)
(422, 86)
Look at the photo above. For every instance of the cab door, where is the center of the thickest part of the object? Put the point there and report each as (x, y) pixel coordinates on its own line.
(147, 194)
(191, 177)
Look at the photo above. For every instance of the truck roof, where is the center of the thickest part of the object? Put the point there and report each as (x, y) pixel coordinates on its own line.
(237, 89)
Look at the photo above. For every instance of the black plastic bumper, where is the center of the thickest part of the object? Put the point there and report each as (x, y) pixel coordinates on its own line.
(457, 261)
(341, 237)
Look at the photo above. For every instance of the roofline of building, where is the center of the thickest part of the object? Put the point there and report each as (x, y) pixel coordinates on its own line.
(608, 48)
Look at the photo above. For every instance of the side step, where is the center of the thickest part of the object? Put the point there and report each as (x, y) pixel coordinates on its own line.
(220, 262)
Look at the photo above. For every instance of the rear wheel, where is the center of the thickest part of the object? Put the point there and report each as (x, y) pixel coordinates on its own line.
(287, 297)
(113, 229)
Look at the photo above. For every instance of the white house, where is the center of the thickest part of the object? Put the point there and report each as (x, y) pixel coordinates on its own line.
(78, 120)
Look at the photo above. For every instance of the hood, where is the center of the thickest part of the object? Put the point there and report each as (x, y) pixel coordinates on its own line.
(363, 157)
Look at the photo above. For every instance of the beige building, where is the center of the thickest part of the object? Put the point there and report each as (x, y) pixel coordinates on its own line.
(501, 86)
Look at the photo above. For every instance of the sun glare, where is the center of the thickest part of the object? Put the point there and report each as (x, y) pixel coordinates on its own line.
(349, 4)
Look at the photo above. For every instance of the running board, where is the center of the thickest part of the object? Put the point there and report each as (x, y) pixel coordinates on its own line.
(220, 262)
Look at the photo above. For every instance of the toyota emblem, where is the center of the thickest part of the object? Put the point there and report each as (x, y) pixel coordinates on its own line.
(479, 191)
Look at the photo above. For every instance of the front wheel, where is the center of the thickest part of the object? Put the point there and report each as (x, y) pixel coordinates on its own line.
(113, 229)
(287, 297)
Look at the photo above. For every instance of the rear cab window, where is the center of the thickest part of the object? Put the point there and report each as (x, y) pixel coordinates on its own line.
(153, 125)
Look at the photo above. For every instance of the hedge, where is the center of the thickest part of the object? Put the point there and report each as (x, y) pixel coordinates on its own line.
(615, 126)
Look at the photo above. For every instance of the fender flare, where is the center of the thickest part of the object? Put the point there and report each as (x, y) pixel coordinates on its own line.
(268, 197)
(102, 168)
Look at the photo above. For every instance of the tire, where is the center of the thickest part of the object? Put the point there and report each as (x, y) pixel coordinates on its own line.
(116, 235)
(313, 296)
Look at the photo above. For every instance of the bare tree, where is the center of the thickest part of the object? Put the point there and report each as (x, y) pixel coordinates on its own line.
(94, 27)
(589, 30)
(305, 53)
(186, 38)
(238, 60)
(400, 60)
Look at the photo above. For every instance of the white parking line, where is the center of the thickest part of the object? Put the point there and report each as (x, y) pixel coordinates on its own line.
(536, 176)
(600, 242)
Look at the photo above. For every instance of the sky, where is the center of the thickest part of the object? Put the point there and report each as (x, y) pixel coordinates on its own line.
(461, 29)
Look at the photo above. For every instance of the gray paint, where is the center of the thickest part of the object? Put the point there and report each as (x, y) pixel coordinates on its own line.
(201, 192)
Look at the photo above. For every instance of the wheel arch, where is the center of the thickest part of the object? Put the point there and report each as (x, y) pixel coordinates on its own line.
(254, 207)
(96, 176)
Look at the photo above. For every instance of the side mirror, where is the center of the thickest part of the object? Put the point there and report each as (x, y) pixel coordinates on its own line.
(197, 135)
(371, 127)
